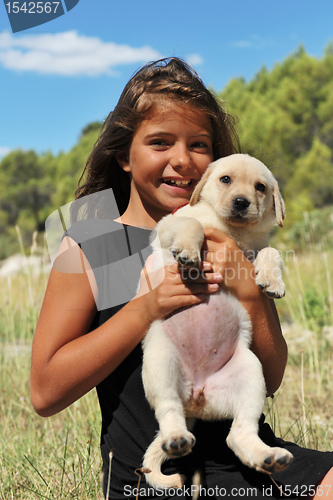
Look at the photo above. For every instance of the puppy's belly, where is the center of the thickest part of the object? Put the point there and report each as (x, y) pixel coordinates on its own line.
(206, 335)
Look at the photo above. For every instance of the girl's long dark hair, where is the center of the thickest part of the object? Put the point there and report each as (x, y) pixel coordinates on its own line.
(170, 78)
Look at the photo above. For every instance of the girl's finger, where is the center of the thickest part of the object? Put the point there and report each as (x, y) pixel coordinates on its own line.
(193, 276)
(197, 289)
(218, 236)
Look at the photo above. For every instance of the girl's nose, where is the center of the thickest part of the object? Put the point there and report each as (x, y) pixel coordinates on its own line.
(181, 157)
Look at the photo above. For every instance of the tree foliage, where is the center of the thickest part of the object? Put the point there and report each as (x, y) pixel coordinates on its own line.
(32, 186)
(285, 118)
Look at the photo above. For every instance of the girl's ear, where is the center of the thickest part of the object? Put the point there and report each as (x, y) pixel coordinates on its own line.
(123, 160)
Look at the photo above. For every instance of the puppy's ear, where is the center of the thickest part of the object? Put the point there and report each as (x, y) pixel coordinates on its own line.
(279, 207)
(198, 188)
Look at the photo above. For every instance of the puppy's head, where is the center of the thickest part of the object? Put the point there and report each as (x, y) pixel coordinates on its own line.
(242, 191)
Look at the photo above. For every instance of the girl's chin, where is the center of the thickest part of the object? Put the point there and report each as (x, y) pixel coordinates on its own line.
(176, 202)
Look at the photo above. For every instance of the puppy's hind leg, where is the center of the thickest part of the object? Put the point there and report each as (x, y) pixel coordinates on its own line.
(248, 401)
(166, 389)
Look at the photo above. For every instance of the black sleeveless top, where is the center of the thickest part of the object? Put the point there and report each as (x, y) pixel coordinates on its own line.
(117, 254)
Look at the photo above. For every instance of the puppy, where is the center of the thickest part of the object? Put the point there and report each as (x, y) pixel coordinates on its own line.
(197, 362)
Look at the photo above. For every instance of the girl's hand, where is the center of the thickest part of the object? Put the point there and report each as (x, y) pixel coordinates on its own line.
(227, 259)
(172, 287)
(239, 279)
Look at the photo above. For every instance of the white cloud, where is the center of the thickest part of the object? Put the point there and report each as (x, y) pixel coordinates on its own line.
(68, 54)
(242, 44)
(254, 42)
(4, 151)
(194, 59)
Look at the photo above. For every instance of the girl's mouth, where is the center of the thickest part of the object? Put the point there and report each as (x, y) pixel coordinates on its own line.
(178, 182)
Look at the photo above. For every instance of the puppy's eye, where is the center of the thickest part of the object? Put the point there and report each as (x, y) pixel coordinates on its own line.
(225, 179)
(260, 187)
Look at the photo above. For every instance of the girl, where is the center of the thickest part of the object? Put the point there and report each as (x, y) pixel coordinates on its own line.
(154, 147)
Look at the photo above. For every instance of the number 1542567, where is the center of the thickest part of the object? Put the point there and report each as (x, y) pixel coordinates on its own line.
(32, 7)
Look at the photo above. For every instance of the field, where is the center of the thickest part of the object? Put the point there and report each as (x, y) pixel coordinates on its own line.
(54, 458)
(58, 458)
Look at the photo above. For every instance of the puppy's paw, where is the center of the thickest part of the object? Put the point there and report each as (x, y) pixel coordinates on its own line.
(277, 460)
(177, 445)
(268, 267)
(186, 257)
(272, 287)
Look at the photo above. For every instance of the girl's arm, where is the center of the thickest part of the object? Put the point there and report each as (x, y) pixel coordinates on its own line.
(238, 274)
(67, 362)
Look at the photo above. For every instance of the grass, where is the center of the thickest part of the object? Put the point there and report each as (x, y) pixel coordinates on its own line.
(54, 458)
(302, 408)
(58, 458)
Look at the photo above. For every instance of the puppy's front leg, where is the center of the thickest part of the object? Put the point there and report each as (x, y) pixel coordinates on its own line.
(184, 236)
(166, 390)
(268, 268)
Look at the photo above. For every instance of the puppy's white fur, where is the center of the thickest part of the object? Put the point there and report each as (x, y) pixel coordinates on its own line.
(197, 363)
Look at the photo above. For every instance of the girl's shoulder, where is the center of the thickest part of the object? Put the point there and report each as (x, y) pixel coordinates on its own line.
(104, 240)
(116, 254)
(89, 229)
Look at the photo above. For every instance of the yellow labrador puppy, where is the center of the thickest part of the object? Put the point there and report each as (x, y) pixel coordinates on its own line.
(197, 362)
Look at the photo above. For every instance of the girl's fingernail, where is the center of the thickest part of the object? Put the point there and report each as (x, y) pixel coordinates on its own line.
(218, 277)
(213, 287)
(207, 266)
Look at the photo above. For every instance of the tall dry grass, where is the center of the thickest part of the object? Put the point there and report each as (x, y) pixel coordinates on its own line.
(302, 408)
(54, 458)
(58, 458)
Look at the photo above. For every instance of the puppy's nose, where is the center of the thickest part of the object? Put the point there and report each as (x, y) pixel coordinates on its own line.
(241, 203)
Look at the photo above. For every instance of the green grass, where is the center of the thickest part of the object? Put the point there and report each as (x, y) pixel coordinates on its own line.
(302, 410)
(54, 458)
(58, 457)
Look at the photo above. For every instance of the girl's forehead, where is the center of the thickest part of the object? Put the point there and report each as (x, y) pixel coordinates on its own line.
(170, 106)
(172, 111)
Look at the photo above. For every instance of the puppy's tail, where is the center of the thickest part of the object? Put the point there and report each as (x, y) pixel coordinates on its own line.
(196, 484)
(152, 461)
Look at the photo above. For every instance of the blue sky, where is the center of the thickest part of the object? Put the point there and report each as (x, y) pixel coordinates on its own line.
(60, 76)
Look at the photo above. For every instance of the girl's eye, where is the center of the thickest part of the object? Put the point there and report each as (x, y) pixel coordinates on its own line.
(225, 179)
(260, 187)
(200, 146)
(159, 143)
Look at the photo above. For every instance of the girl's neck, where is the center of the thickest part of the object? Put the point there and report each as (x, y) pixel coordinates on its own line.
(138, 219)
(137, 214)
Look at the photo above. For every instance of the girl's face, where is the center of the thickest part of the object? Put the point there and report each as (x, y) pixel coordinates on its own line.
(169, 153)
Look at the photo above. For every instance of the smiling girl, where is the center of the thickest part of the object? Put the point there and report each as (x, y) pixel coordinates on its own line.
(153, 149)
(169, 153)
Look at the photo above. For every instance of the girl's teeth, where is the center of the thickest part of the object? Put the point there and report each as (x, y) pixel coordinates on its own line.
(178, 183)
